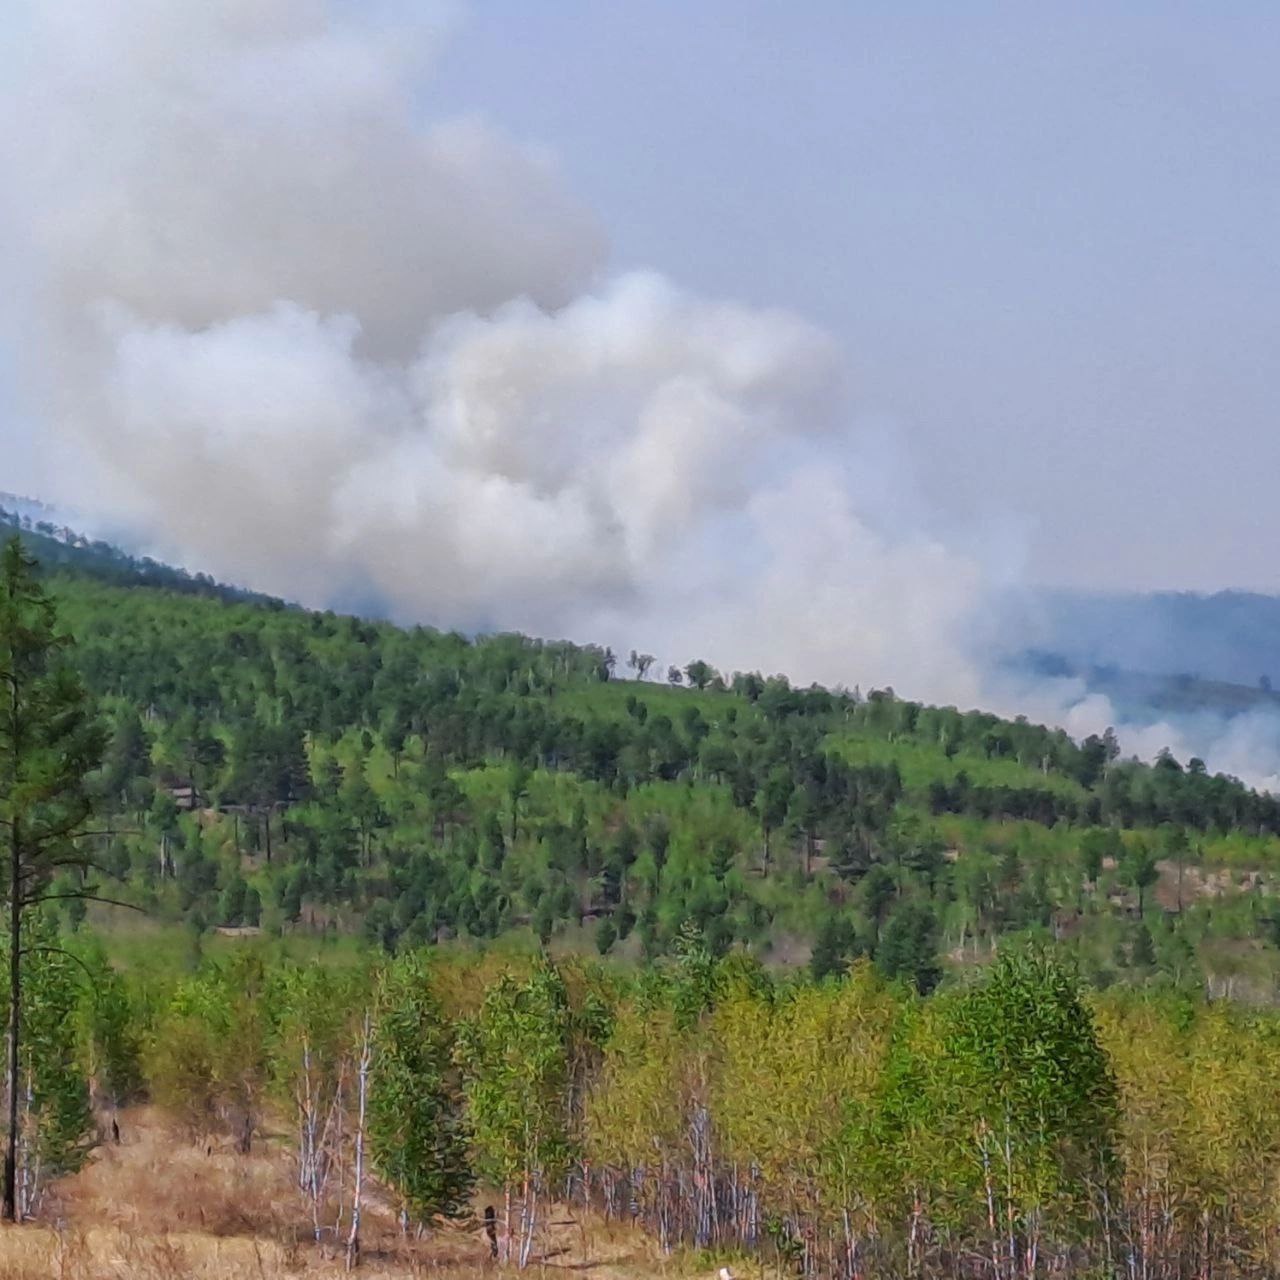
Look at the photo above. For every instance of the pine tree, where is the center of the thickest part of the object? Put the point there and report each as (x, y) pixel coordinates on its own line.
(50, 742)
(831, 948)
(909, 947)
(606, 935)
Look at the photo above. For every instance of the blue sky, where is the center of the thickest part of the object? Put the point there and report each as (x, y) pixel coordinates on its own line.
(1045, 234)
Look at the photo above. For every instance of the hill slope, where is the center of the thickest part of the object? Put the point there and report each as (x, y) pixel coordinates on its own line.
(303, 771)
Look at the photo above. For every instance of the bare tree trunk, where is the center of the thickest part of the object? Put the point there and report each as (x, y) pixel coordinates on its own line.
(336, 1145)
(306, 1122)
(28, 1168)
(506, 1212)
(353, 1239)
(15, 1022)
(528, 1216)
(991, 1208)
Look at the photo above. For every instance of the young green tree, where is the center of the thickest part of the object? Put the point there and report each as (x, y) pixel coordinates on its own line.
(415, 1124)
(832, 948)
(1140, 869)
(514, 1062)
(209, 1056)
(771, 805)
(606, 935)
(54, 1117)
(1176, 848)
(1096, 846)
(699, 673)
(1031, 1083)
(50, 742)
(109, 1028)
(517, 793)
(909, 947)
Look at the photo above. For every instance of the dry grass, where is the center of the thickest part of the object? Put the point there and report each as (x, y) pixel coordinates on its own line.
(158, 1208)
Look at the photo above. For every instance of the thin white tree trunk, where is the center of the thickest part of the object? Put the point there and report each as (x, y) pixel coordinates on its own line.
(353, 1239)
(506, 1217)
(528, 1221)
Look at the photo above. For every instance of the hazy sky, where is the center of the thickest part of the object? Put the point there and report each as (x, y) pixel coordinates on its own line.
(1046, 234)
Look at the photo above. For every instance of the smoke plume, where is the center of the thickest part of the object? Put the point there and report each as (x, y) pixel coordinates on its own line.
(299, 336)
(288, 331)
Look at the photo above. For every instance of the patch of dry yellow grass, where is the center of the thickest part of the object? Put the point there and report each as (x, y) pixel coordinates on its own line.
(157, 1207)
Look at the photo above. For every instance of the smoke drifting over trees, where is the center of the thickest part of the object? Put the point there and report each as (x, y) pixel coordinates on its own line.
(306, 339)
(278, 325)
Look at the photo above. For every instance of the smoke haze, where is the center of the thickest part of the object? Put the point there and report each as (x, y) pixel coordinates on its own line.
(304, 339)
(291, 333)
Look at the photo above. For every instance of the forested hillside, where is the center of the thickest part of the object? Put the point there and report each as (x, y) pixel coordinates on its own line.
(301, 804)
(304, 772)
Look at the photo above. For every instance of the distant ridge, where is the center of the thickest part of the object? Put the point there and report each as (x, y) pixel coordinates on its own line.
(1156, 655)
(1226, 637)
(1138, 695)
(58, 546)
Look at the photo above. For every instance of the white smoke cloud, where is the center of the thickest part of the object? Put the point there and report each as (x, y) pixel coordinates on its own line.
(295, 335)
(307, 340)
(1245, 745)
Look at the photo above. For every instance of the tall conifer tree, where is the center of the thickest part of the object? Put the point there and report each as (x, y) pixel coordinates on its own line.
(50, 741)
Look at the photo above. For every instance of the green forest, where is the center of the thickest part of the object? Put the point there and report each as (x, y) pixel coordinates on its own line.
(303, 772)
(855, 985)
(1008, 1125)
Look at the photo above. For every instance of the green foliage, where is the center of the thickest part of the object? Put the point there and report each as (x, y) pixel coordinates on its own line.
(208, 1056)
(50, 742)
(1007, 1126)
(416, 1135)
(109, 1029)
(1029, 1079)
(513, 1056)
(832, 949)
(55, 1120)
(908, 948)
(606, 935)
(303, 771)
(50, 739)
